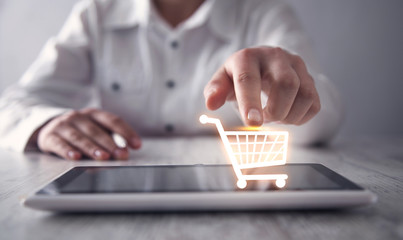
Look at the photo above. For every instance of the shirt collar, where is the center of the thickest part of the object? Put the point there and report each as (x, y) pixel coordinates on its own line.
(216, 13)
(127, 13)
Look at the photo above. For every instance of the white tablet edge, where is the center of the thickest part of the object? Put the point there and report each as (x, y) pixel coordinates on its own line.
(200, 201)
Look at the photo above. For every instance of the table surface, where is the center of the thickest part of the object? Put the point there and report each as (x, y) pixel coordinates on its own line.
(374, 163)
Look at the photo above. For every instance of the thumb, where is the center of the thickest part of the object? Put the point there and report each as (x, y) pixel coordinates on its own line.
(218, 90)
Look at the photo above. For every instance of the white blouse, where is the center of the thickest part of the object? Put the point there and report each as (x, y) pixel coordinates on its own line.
(121, 56)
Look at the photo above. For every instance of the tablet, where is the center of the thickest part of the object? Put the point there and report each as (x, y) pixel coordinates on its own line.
(196, 188)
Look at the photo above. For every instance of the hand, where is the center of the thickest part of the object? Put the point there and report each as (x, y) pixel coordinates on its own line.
(86, 133)
(292, 96)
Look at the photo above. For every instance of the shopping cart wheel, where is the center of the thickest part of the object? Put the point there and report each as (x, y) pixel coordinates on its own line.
(241, 184)
(280, 183)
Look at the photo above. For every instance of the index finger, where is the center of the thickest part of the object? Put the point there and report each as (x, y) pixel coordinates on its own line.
(245, 72)
(218, 89)
(117, 125)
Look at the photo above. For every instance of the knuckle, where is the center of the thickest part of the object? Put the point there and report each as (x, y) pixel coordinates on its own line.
(115, 120)
(70, 116)
(48, 128)
(298, 60)
(245, 78)
(60, 119)
(245, 53)
(306, 93)
(61, 123)
(73, 114)
(93, 131)
(73, 136)
(88, 110)
(287, 80)
(275, 51)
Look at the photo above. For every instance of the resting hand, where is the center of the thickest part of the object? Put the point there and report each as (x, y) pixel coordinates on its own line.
(86, 133)
(283, 77)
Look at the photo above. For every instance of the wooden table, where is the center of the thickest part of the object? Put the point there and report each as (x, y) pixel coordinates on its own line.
(374, 163)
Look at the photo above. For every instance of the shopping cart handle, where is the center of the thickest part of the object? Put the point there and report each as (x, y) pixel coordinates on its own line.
(204, 119)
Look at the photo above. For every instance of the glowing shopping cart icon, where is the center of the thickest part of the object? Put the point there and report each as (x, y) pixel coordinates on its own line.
(253, 149)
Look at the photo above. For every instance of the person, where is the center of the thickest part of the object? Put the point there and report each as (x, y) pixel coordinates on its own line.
(152, 67)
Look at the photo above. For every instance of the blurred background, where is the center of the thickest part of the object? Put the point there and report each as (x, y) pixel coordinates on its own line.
(358, 43)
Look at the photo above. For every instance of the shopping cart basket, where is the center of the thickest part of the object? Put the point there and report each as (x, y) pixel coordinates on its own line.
(253, 149)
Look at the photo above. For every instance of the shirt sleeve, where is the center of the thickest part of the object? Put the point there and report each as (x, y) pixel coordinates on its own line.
(276, 24)
(58, 81)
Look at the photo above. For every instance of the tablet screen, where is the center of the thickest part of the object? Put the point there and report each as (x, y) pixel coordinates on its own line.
(192, 178)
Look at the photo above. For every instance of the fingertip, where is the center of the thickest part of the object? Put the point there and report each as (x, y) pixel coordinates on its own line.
(254, 117)
(254, 124)
(73, 155)
(101, 155)
(135, 143)
(213, 104)
(121, 154)
(217, 90)
(214, 99)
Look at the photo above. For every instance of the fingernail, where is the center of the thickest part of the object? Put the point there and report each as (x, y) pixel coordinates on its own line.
(254, 115)
(119, 140)
(120, 153)
(72, 155)
(99, 154)
(136, 142)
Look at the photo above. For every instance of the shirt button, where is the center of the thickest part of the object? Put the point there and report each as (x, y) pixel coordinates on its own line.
(170, 84)
(169, 128)
(174, 44)
(115, 86)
